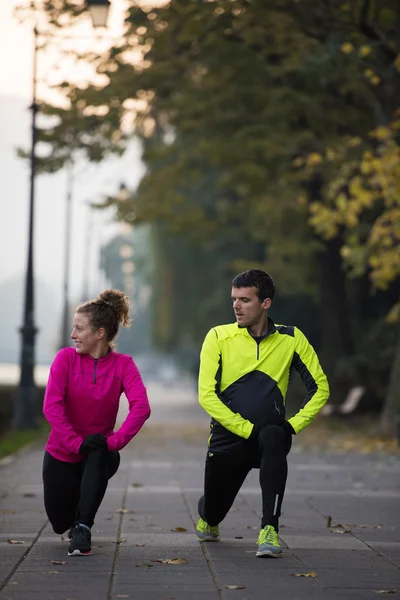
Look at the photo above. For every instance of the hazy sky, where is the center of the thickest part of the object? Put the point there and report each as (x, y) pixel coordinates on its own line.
(91, 182)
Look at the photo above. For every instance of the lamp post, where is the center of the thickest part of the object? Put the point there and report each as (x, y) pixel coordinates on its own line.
(25, 410)
(65, 328)
(88, 248)
(99, 12)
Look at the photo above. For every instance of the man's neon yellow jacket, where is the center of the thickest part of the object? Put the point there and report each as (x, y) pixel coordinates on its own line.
(243, 382)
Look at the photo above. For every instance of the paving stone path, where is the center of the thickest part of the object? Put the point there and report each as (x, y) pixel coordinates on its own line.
(340, 530)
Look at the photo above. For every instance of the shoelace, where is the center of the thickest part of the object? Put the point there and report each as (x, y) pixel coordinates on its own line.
(81, 534)
(268, 537)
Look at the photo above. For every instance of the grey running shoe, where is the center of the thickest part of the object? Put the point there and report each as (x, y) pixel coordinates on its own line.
(80, 542)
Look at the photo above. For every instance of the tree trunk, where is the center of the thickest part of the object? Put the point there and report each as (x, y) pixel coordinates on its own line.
(391, 409)
(336, 335)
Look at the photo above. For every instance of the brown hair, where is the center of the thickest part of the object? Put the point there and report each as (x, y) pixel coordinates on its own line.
(109, 310)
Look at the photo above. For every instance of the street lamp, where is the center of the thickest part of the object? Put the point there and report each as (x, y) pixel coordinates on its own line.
(99, 12)
(65, 327)
(25, 409)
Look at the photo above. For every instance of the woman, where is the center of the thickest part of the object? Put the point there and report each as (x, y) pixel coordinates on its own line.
(81, 404)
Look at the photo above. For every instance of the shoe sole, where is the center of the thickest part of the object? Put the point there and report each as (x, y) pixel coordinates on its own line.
(208, 539)
(79, 553)
(268, 554)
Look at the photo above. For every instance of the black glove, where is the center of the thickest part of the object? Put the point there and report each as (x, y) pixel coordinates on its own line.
(94, 441)
(287, 427)
(256, 430)
(283, 423)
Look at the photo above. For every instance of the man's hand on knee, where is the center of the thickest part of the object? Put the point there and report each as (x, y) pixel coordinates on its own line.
(285, 425)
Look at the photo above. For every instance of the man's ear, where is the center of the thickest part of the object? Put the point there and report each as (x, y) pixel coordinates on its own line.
(266, 304)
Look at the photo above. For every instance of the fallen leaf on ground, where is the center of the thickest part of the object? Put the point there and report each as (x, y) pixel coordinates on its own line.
(310, 574)
(238, 537)
(29, 495)
(137, 484)
(172, 561)
(341, 530)
(235, 587)
(50, 572)
(386, 591)
(251, 527)
(58, 562)
(179, 529)
(125, 510)
(119, 541)
(329, 521)
(140, 545)
(15, 542)
(146, 565)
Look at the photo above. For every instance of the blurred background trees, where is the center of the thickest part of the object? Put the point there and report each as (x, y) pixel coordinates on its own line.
(270, 135)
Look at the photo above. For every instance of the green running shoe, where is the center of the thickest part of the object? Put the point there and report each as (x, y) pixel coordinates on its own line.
(268, 543)
(206, 533)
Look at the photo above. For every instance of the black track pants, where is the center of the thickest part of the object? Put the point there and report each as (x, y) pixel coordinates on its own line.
(225, 474)
(74, 491)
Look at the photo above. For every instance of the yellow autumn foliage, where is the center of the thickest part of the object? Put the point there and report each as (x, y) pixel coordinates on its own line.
(371, 182)
(346, 48)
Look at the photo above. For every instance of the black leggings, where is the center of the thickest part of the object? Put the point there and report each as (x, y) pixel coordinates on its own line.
(225, 475)
(74, 491)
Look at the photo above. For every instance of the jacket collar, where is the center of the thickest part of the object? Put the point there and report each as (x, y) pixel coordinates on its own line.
(102, 358)
(270, 329)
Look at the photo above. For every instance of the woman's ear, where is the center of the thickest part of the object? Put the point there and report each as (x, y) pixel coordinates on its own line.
(101, 333)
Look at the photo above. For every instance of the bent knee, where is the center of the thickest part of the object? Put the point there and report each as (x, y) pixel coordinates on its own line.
(271, 435)
(99, 454)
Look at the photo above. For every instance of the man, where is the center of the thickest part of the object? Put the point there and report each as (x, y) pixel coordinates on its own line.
(243, 380)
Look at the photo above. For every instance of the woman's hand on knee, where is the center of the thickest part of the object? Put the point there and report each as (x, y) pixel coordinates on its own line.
(94, 441)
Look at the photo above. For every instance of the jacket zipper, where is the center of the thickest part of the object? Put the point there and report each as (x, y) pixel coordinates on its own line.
(258, 344)
(95, 370)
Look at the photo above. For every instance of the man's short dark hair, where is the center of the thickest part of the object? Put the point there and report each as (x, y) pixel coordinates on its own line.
(258, 279)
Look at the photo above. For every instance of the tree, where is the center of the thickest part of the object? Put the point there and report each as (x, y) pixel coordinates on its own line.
(228, 97)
